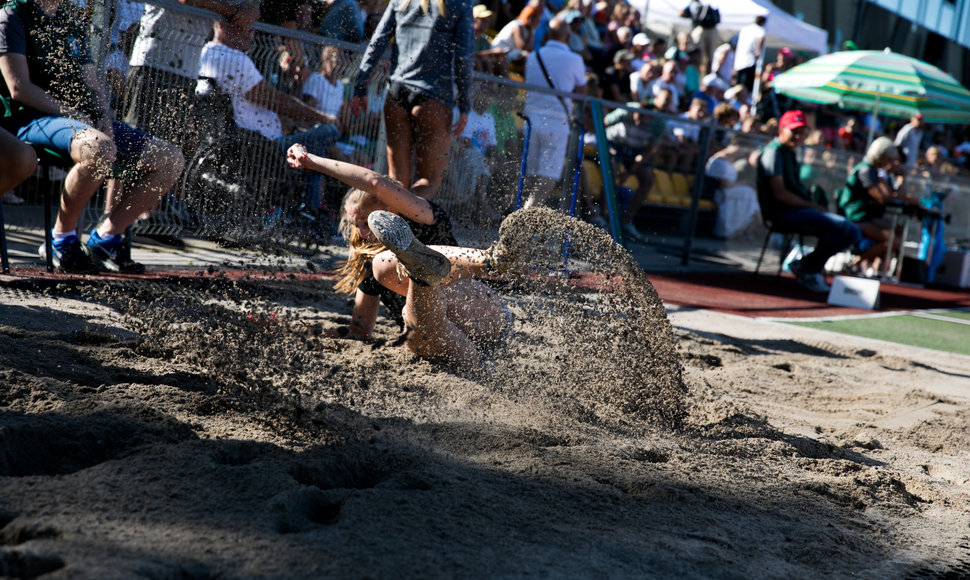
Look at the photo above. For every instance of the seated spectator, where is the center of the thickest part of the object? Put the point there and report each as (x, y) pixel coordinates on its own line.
(257, 106)
(738, 96)
(517, 37)
(712, 91)
(577, 43)
(292, 62)
(616, 78)
(850, 137)
(668, 81)
(642, 81)
(737, 202)
(342, 21)
(786, 201)
(863, 201)
(687, 136)
(487, 59)
(658, 47)
(631, 137)
(67, 111)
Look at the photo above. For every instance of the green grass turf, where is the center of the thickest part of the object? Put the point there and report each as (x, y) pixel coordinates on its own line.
(907, 329)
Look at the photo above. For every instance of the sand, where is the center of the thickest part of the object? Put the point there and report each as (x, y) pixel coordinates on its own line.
(184, 429)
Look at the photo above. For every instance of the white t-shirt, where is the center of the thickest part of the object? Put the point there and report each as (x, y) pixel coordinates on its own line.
(726, 69)
(236, 75)
(749, 39)
(330, 97)
(480, 130)
(170, 41)
(567, 72)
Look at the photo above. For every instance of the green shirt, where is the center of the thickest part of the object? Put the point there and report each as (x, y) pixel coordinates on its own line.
(778, 160)
(56, 48)
(855, 201)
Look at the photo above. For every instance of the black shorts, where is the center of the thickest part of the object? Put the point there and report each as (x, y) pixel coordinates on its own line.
(407, 97)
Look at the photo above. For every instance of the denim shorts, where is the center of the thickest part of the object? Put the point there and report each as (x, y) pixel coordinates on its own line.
(56, 134)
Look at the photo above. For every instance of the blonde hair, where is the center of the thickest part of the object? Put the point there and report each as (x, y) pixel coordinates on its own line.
(354, 270)
(424, 6)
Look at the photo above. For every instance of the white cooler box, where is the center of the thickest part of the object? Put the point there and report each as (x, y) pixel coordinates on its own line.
(954, 270)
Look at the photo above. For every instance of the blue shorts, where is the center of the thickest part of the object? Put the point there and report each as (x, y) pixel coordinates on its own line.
(56, 134)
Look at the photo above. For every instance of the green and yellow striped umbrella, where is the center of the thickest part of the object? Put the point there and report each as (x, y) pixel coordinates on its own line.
(884, 82)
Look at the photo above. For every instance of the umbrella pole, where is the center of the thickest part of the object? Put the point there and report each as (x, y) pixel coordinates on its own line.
(872, 121)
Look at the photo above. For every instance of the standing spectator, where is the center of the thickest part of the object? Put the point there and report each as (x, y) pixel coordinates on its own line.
(165, 67)
(550, 115)
(342, 20)
(751, 40)
(704, 19)
(616, 78)
(668, 81)
(786, 201)
(631, 141)
(52, 97)
(517, 37)
(434, 56)
(722, 63)
(909, 140)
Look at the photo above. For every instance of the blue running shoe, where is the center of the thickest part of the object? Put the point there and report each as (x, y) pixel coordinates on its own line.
(68, 256)
(114, 257)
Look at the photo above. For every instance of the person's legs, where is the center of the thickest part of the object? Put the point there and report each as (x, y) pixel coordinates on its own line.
(834, 232)
(432, 133)
(17, 161)
(544, 162)
(157, 165)
(400, 141)
(644, 174)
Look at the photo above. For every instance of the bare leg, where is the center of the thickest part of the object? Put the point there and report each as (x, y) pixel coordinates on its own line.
(432, 131)
(400, 142)
(645, 179)
(158, 169)
(93, 154)
(17, 161)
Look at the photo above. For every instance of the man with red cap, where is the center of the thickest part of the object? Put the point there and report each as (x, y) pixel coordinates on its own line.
(787, 203)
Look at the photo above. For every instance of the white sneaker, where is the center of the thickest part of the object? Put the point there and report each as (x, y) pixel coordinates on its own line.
(422, 264)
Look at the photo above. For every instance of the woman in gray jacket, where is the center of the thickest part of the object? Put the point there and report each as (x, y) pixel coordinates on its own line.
(431, 67)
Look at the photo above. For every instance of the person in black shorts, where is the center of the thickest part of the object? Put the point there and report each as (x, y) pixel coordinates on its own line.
(403, 254)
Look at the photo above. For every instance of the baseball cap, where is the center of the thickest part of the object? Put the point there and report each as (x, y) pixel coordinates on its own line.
(712, 80)
(849, 45)
(792, 120)
(481, 11)
(674, 53)
(623, 54)
(641, 39)
(572, 15)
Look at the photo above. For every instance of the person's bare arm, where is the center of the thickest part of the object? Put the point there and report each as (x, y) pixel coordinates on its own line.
(282, 104)
(363, 319)
(16, 74)
(397, 198)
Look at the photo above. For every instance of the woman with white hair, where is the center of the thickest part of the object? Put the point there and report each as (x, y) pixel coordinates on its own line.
(873, 183)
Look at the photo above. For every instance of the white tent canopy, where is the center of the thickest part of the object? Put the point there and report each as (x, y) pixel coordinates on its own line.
(663, 17)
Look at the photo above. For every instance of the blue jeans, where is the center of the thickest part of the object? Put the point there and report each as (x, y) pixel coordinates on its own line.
(834, 232)
(317, 140)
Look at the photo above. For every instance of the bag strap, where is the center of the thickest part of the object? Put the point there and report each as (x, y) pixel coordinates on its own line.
(562, 101)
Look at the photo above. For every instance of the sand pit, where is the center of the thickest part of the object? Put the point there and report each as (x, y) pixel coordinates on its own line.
(182, 429)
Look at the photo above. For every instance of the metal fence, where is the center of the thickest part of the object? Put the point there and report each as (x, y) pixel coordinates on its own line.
(238, 187)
